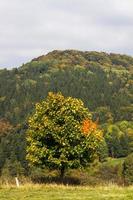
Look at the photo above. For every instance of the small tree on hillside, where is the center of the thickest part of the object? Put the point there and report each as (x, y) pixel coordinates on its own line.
(61, 134)
(5, 128)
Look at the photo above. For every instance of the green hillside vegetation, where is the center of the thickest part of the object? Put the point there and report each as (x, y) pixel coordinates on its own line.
(104, 82)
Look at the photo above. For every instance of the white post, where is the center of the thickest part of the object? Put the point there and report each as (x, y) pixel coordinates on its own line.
(17, 182)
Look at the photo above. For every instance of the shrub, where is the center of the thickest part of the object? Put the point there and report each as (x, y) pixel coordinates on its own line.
(128, 169)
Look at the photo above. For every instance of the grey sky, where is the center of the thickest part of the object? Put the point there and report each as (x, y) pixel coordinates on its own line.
(30, 28)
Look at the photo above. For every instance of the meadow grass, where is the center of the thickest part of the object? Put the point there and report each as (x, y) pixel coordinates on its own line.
(61, 192)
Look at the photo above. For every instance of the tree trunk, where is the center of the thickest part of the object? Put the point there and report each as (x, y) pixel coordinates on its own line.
(62, 172)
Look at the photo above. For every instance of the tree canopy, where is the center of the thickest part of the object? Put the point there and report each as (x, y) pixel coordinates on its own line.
(61, 134)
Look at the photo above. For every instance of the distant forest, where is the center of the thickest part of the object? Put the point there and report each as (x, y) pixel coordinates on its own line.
(104, 82)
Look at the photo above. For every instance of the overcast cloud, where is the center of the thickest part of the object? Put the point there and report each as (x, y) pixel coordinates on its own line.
(30, 28)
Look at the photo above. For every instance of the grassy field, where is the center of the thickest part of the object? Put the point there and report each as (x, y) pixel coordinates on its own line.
(54, 192)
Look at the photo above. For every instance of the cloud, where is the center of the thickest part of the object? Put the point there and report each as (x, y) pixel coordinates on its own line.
(30, 28)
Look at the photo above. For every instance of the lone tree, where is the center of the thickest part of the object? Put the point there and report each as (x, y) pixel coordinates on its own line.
(61, 134)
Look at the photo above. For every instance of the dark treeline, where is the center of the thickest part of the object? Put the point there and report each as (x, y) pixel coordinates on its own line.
(104, 82)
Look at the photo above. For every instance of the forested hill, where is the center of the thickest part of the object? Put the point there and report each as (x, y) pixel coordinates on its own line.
(103, 81)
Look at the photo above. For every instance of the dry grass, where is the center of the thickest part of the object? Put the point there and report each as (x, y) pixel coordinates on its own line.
(31, 191)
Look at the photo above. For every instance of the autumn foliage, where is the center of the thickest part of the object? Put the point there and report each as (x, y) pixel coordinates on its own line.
(89, 126)
(5, 127)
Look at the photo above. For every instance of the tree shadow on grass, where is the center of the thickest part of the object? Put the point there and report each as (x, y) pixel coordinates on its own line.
(56, 180)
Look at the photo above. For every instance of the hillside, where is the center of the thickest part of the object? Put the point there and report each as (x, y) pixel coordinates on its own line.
(103, 81)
